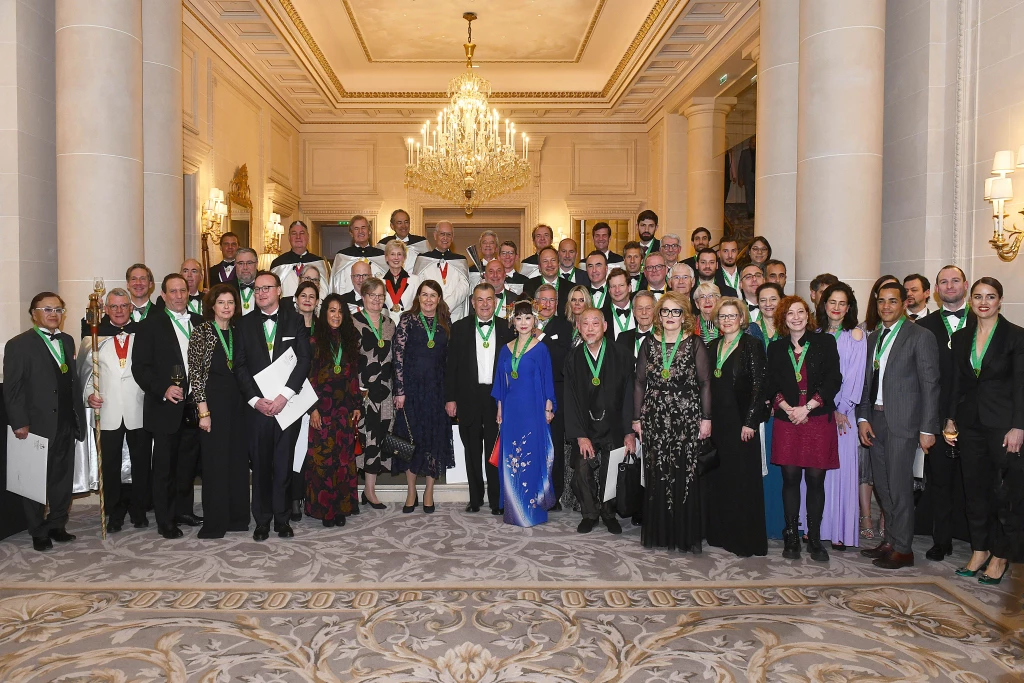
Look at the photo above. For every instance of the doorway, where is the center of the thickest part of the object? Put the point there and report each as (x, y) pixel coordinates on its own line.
(507, 223)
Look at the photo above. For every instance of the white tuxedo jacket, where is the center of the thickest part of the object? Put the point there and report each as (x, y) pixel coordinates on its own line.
(122, 397)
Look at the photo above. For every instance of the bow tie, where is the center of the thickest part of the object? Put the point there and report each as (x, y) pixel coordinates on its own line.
(181, 316)
(139, 309)
(268, 317)
(596, 290)
(246, 286)
(54, 336)
(751, 307)
(229, 263)
(957, 314)
(657, 291)
(485, 323)
(195, 297)
(622, 311)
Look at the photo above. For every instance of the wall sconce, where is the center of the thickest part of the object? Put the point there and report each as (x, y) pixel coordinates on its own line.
(272, 234)
(214, 211)
(999, 190)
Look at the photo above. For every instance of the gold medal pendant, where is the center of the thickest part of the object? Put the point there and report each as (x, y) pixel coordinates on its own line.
(230, 365)
(596, 381)
(718, 372)
(64, 368)
(515, 375)
(949, 344)
(799, 376)
(337, 369)
(270, 347)
(397, 308)
(430, 344)
(122, 361)
(665, 374)
(877, 365)
(487, 345)
(380, 344)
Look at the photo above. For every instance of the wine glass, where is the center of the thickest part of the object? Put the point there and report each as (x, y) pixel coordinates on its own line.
(177, 375)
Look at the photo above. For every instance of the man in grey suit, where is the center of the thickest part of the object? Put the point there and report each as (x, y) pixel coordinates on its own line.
(899, 410)
(42, 394)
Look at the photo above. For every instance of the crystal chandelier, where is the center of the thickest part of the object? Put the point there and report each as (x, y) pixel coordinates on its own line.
(464, 157)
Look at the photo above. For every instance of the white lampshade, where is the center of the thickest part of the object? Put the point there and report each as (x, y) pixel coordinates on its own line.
(1003, 162)
(1002, 189)
(988, 189)
(275, 218)
(1020, 157)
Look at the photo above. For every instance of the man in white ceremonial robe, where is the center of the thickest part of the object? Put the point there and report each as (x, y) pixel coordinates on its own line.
(360, 251)
(446, 267)
(416, 244)
(119, 400)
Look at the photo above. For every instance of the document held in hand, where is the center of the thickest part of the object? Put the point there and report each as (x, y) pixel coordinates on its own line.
(26, 466)
(271, 382)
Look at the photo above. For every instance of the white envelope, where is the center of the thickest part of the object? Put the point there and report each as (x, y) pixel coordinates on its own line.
(26, 466)
(301, 445)
(612, 479)
(458, 474)
(271, 381)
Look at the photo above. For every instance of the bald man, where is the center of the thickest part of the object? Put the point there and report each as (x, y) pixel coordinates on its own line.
(359, 272)
(192, 271)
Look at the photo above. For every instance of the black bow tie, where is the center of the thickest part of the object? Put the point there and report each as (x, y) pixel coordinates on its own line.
(622, 311)
(751, 307)
(246, 286)
(596, 290)
(195, 297)
(54, 336)
(229, 263)
(140, 309)
(956, 314)
(268, 317)
(486, 323)
(657, 291)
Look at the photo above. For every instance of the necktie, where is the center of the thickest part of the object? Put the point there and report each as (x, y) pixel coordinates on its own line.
(913, 316)
(268, 317)
(955, 314)
(622, 312)
(876, 374)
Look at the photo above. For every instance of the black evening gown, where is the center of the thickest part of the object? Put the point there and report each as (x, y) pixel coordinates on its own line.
(735, 490)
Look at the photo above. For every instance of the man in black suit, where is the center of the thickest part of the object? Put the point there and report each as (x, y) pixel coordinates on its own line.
(941, 510)
(225, 270)
(508, 252)
(708, 271)
(618, 309)
(359, 273)
(701, 240)
(43, 394)
(598, 416)
(647, 225)
(472, 359)
(567, 254)
(643, 312)
(556, 333)
(542, 237)
(548, 263)
(161, 343)
(601, 234)
(263, 338)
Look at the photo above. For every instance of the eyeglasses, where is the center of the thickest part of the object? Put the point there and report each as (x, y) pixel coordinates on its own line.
(708, 297)
(660, 266)
(728, 316)
(245, 263)
(669, 245)
(263, 289)
(759, 248)
(547, 300)
(671, 313)
(752, 276)
(119, 307)
(50, 311)
(374, 296)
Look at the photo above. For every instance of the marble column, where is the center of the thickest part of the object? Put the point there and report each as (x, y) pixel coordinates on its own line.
(99, 145)
(705, 142)
(162, 140)
(777, 110)
(839, 142)
(673, 218)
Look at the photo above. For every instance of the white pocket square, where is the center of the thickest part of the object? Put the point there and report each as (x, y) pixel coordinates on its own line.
(284, 339)
(554, 336)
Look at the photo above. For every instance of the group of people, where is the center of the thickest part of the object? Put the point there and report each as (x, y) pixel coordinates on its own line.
(757, 414)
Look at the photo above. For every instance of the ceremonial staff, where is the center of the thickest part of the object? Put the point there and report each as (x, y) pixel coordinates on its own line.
(93, 317)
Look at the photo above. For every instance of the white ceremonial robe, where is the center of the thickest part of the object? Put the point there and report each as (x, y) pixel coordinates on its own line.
(290, 277)
(454, 286)
(341, 272)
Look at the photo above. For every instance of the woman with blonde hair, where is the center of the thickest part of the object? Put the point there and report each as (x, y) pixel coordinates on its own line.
(400, 287)
(579, 301)
(672, 415)
(706, 296)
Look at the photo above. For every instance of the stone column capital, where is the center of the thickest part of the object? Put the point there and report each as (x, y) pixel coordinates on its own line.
(708, 105)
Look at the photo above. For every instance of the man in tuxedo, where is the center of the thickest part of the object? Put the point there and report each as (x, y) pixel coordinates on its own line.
(556, 333)
(751, 278)
(775, 271)
(246, 264)
(359, 273)
(262, 338)
(161, 347)
(656, 274)
(919, 292)
(400, 225)
(728, 253)
(548, 263)
(643, 312)
(598, 416)
(632, 262)
(597, 273)
(543, 237)
(504, 298)
(43, 395)
(567, 253)
(647, 225)
(508, 252)
(617, 309)
(708, 271)
(192, 271)
(941, 508)
(359, 230)
(671, 247)
(225, 270)
(119, 401)
(140, 288)
(898, 411)
(681, 280)
(818, 286)
(700, 239)
(472, 361)
(601, 234)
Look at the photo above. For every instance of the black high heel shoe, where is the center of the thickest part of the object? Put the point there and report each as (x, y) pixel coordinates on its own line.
(429, 509)
(411, 508)
(375, 506)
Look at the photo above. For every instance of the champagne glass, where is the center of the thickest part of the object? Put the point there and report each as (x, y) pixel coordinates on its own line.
(177, 375)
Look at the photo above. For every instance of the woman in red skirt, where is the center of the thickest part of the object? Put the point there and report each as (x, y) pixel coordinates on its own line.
(803, 378)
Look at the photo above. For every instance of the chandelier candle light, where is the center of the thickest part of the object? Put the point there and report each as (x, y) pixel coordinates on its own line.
(464, 157)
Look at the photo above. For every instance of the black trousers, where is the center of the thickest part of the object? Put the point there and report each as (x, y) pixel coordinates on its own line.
(131, 499)
(944, 490)
(994, 484)
(60, 475)
(270, 458)
(588, 482)
(478, 435)
(175, 457)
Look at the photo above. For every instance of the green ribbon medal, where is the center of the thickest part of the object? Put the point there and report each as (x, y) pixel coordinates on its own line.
(959, 324)
(229, 345)
(666, 359)
(720, 360)
(764, 333)
(269, 336)
(246, 300)
(880, 348)
(429, 330)
(337, 359)
(197, 305)
(516, 357)
(187, 332)
(798, 365)
(595, 372)
(378, 333)
(485, 337)
(604, 295)
(616, 317)
(57, 355)
(975, 358)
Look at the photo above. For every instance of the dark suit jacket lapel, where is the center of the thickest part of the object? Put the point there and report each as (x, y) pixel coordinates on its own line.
(167, 322)
(898, 343)
(278, 333)
(995, 349)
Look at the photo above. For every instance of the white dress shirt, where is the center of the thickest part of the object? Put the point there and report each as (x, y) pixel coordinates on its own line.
(890, 339)
(485, 357)
(617, 328)
(184, 320)
(269, 327)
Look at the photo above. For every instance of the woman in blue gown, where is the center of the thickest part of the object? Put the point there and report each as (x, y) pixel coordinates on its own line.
(525, 392)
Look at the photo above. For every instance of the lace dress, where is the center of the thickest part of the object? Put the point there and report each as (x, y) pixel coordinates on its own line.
(670, 411)
(419, 376)
(375, 374)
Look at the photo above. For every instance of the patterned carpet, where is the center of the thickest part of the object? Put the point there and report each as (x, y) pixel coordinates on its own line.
(456, 597)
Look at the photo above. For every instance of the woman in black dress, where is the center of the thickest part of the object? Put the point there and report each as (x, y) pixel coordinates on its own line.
(736, 494)
(420, 355)
(376, 332)
(225, 461)
(987, 407)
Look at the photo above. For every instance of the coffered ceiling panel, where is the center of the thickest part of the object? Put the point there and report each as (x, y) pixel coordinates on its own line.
(391, 60)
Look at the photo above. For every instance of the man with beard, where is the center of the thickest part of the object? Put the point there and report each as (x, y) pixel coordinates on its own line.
(701, 240)
(708, 271)
(919, 292)
(246, 264)
(728, 253)
(775, 271)
(647, 225)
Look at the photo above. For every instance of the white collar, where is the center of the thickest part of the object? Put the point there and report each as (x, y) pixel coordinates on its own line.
(958, 308)
(271, 312)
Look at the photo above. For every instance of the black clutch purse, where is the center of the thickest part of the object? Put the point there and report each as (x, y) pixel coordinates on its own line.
(707, 457)
(191, 417)
(397, 447)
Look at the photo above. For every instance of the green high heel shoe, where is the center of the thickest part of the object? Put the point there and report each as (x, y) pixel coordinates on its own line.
(987, 580)
(971, 573)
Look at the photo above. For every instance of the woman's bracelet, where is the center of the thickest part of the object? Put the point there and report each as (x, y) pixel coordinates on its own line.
(206, 414)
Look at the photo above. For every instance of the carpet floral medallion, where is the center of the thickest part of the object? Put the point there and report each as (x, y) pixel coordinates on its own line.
(461, 598)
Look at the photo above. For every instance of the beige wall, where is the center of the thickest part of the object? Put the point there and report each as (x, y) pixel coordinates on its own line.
(28, 169)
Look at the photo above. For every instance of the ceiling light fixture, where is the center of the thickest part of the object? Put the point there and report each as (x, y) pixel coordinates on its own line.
(465, 158)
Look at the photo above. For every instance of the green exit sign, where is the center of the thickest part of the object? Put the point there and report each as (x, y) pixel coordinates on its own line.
(723, 79)
(344, 224)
